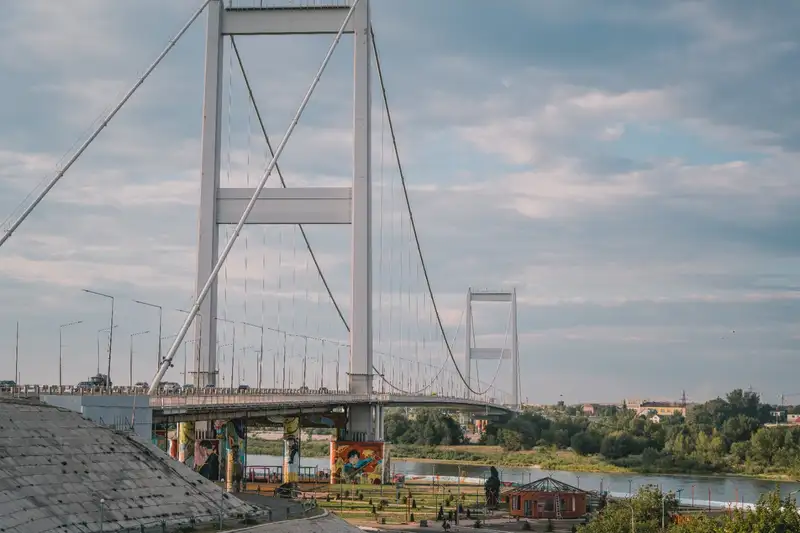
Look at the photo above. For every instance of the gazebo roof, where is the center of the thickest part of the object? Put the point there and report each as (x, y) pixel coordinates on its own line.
(546, 484)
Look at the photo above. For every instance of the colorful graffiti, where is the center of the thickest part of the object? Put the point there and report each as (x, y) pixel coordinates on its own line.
(173, 448)
(206, 458)
(291, 449)
(160, 439)
(231, 436)
(186, 443)
(357, 462)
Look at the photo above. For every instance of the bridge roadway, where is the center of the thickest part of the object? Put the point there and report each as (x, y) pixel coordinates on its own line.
(213, 404)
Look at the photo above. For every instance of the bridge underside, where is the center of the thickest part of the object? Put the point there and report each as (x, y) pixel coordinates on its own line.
(263, 413)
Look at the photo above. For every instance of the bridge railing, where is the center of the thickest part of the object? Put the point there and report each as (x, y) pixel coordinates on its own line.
(227, 396)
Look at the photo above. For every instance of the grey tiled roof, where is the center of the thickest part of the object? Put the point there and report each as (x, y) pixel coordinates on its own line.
(55, 466)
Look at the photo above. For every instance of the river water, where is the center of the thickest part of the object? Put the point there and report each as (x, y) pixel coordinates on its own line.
(720, 488)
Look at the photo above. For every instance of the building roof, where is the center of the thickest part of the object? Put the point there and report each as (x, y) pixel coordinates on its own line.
(56, 466)
(546, 484)
(662, 404)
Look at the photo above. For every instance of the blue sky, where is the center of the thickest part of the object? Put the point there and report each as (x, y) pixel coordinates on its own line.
(629, 167)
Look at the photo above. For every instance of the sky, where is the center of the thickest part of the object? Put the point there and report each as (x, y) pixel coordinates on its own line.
(628, 168)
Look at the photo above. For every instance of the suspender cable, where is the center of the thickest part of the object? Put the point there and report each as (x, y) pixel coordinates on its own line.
(7, 234)
(250, 205)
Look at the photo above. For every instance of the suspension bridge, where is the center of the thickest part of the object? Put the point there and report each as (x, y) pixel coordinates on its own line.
(258, 273)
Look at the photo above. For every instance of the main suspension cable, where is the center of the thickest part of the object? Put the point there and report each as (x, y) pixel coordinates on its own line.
(412, 220)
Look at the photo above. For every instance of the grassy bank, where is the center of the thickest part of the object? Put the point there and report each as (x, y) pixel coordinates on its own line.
(545, 459)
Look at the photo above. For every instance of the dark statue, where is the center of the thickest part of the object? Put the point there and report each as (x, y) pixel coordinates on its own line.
(492, 488)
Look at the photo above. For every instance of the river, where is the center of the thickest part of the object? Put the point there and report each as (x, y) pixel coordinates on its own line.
(722, 488)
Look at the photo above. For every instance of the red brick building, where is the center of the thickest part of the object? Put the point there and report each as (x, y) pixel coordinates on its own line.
(547, 498)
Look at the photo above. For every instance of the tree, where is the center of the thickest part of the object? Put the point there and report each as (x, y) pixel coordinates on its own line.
(645, 508)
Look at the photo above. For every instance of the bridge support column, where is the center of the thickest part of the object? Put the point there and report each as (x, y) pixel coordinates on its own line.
(361, 372)
(292, 437)
(208, 230)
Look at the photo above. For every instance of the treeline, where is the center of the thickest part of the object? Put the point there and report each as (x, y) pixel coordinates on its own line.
(720, 435)
(429, 427)
(649, 508)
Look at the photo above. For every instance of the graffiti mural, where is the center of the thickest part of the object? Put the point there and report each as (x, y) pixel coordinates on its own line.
(173, 448)
(291, 449)
(206, 458)
(160, 439)
(357, 462)
(232, 437)
(186, 443)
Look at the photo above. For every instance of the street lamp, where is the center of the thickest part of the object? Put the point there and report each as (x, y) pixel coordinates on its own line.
(99, 331)
(110, 332)
(260, 353)
(198, 343)
(233, 345)
(160, 322)
(61, 347)
(130, 355)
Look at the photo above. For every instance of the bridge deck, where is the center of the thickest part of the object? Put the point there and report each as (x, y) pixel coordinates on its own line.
(204, 404)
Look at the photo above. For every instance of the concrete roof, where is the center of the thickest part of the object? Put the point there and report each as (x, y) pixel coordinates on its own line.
(55, 467)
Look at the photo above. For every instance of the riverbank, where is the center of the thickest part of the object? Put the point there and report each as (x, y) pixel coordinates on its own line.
(544, 459)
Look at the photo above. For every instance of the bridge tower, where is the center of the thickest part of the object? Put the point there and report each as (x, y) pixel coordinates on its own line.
(311, 205)
(472, 353)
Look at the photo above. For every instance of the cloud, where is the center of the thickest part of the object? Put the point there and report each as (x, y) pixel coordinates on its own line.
(631, 172)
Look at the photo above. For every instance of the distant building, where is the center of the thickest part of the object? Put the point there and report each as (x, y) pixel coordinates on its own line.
(588, 409)
(660, 408)
(547, 498)
(793, 419)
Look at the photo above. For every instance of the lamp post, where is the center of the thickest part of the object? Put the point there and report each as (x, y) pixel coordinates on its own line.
(110, 332)
(198, 343)
(185, 344)
(160, 322)
(260, 353)
(16, 358)
(130, 354)
(99, 331)
(61, 347)
(233, 345)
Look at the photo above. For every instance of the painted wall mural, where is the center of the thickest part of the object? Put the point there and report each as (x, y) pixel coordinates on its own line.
(186, 443)
(357, 462)
(291, 449)
(231, 436)
(206, 458)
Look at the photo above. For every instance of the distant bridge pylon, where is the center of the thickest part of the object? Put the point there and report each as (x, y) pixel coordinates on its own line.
(473, 353)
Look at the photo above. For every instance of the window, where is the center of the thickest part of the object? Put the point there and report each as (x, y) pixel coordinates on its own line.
(515, 503)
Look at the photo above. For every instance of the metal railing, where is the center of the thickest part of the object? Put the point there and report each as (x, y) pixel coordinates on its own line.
(227, 396)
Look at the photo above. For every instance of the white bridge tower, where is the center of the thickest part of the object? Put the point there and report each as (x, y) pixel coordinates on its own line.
(472, 353)
(312, 205)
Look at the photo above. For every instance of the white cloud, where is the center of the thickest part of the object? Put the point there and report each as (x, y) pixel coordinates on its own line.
(504, 168)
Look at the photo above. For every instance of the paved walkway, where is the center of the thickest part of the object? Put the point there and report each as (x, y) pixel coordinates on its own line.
(326, 523)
